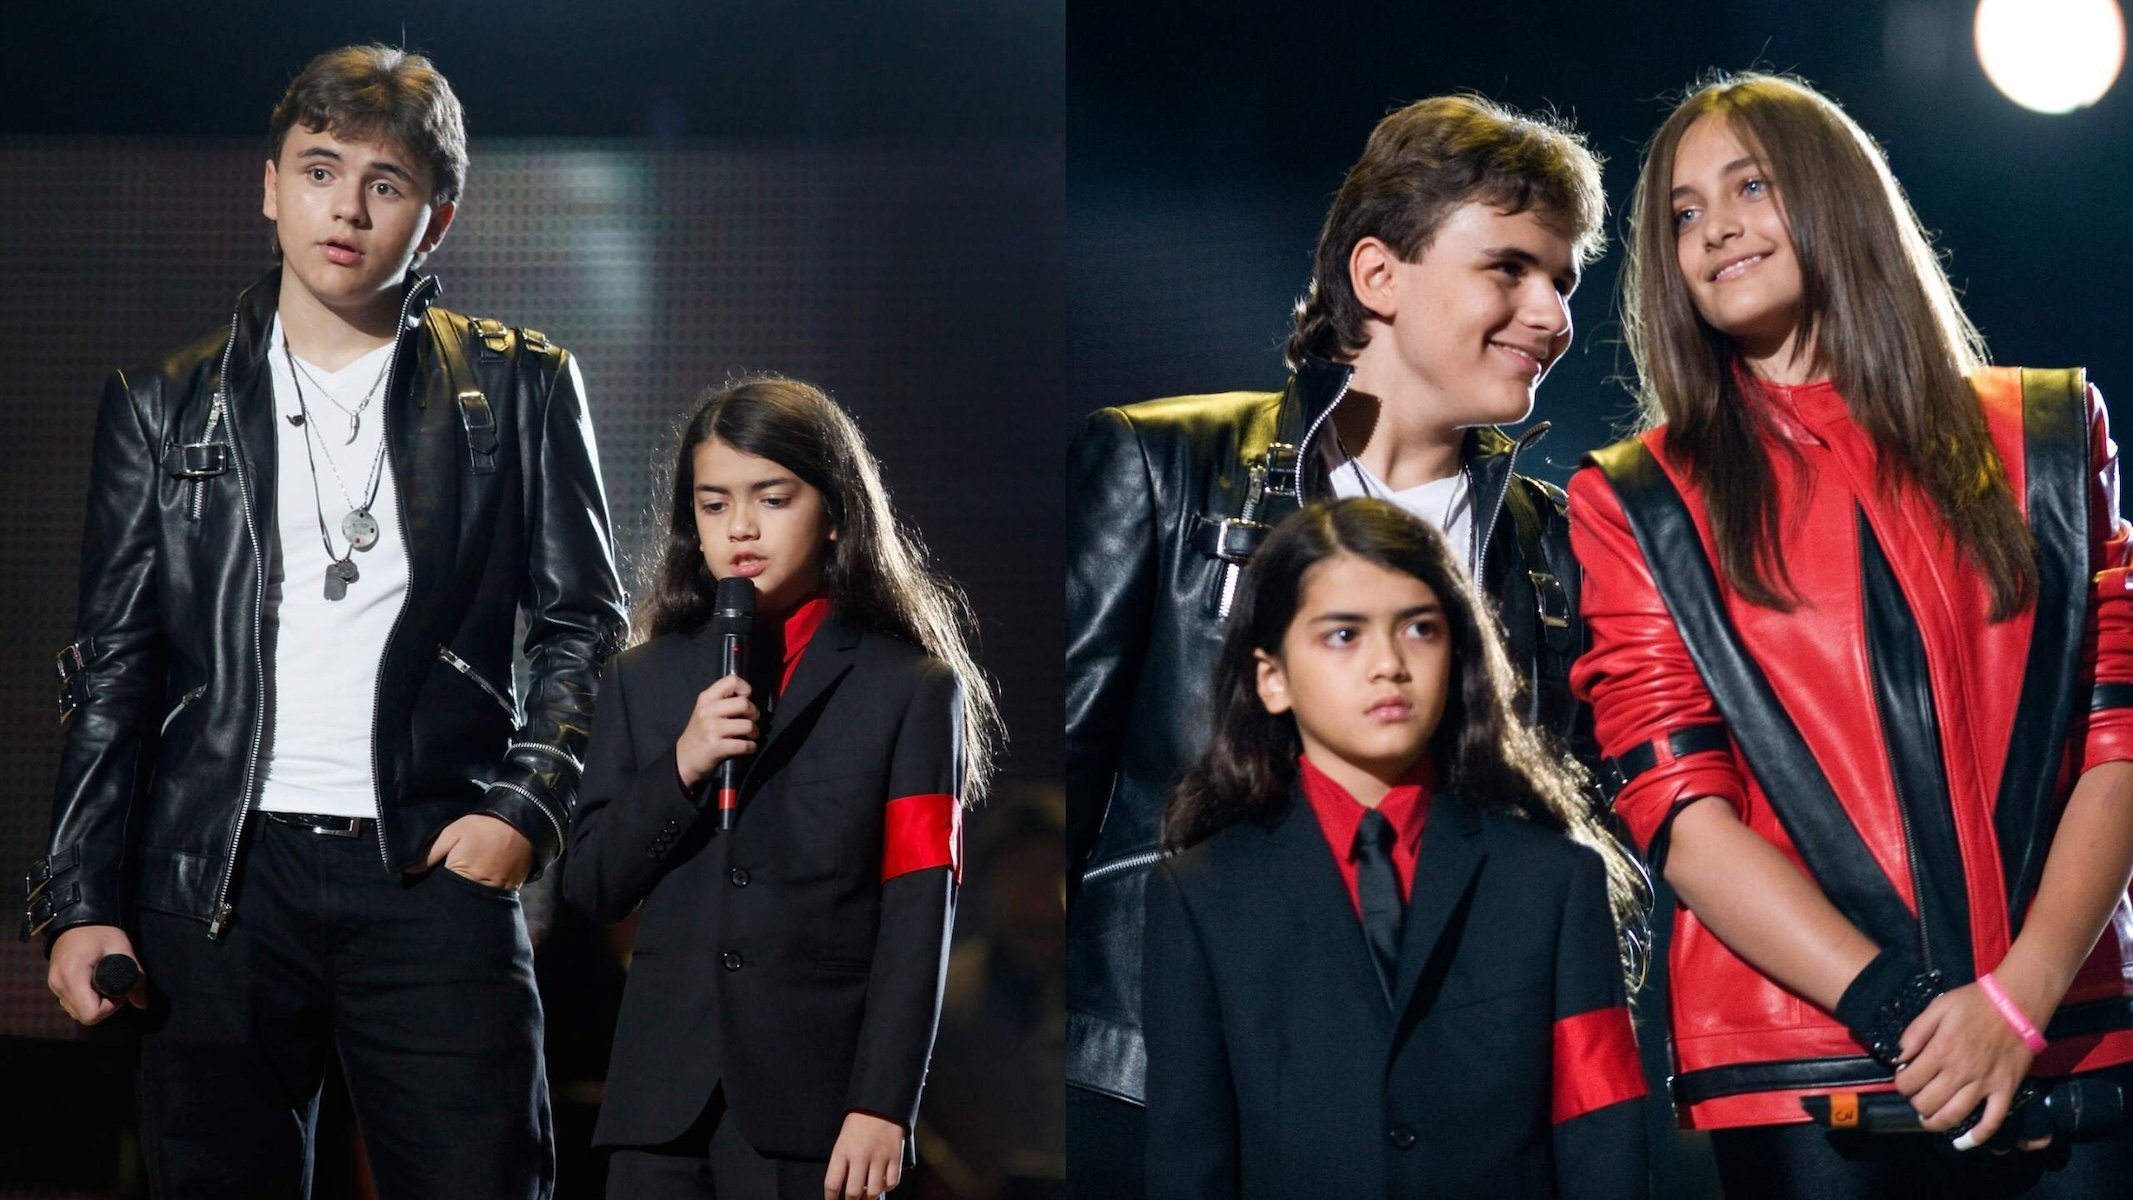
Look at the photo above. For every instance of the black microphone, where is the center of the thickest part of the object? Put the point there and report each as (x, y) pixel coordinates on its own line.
(733, 624)
(115, 976)
(2068, 1106)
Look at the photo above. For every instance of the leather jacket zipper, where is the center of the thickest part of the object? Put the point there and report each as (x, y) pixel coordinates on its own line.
(184, 702)
(1231, 571)
(467, 669)
(219, 918)
(1480, 555)
(1119, 866)
(377, 691)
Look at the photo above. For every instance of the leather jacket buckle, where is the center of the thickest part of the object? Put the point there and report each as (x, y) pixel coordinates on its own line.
(495, 337)
(46, 908)
(74, 675)
(1283, 477)
(1551, 603)
(1231, 539)
(41, 873)
(476, 417)
(196, 460)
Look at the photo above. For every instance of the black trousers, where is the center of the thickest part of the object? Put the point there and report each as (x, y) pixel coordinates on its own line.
(1807, 1162)
(711, 1161)
(422, 987)
(1106, 1147)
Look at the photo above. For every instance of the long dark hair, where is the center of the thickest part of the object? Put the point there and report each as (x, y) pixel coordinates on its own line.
(1494, 761)
(876, 574)
(1886, 328)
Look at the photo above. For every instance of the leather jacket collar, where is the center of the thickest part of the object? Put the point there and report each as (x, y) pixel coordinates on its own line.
(1487, 453)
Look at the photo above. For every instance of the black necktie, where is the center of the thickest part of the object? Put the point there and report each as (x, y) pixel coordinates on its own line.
(1377, 884)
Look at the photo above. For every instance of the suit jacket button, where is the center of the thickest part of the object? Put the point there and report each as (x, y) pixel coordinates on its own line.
(732, 959)
(1403, 1136)
(738, 876)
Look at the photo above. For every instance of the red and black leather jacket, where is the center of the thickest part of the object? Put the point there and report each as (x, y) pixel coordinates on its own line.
(1911, 755)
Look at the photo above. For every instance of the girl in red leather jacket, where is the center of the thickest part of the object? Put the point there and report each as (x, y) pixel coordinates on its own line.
(1380, 962)
(1861, 647)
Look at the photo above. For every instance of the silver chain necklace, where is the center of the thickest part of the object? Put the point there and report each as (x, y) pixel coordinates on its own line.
(355, 415)
(358, 526)
(1463, 490)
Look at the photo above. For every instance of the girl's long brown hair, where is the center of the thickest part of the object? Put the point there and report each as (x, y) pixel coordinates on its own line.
(876, 574)
(1493, 760)
(1878, 311)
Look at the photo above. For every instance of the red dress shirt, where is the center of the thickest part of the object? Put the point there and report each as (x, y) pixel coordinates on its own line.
(1340, 814)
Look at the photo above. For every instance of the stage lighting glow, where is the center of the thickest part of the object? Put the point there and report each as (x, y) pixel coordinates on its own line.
(2051, 56)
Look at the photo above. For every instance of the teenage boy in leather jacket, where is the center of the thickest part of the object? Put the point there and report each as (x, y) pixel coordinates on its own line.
(298, 783)
(1438, 300)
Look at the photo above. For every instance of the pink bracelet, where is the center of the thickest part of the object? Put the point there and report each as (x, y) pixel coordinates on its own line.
(2011, 1014)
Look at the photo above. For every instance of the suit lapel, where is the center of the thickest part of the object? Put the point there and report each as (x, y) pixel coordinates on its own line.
(1451, 855)
(1304, 881)
(827, 659)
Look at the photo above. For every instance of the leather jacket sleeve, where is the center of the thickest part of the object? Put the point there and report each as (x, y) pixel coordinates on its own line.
(1636, 673)
(574, 610)
(1110, 589)
(113, 677)
(2109, 735)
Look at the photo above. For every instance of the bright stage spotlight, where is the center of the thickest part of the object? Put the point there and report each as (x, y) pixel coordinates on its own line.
(2051, 56)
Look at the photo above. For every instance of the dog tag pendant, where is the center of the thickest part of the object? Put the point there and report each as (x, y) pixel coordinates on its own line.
(339, 574)
(361, 529)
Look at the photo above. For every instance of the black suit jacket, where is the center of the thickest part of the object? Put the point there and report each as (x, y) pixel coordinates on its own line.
(1147, 488)
(1276, 1068)
(774, 957)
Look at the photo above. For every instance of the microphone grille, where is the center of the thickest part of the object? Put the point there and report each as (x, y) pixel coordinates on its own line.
(733, 609)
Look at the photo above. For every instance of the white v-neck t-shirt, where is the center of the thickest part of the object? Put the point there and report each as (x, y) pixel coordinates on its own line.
(323, 655)
(1446, 503)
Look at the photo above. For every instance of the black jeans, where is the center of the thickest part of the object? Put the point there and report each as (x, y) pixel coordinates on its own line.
(1106, 1147)
(423, 987)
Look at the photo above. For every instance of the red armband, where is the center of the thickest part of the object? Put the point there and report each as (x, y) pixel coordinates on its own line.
(1595, 1063)
(918, 832)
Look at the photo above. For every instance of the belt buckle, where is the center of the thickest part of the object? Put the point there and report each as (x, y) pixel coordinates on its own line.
(311, 823)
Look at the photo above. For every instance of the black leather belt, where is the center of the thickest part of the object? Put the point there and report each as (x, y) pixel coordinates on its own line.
(321, 823)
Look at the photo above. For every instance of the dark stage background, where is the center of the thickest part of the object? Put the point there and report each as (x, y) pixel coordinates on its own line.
(870, 200)
(1205, 141)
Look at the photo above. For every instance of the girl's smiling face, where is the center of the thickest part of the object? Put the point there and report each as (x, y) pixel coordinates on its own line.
(1364, 668)
(1733, 244)
(757, 520)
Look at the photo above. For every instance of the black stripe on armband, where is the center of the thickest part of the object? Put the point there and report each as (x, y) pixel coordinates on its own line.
(2111, 695)
(1618, 772)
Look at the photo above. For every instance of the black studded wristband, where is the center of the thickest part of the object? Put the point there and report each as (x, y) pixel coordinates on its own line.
(1883, 1000)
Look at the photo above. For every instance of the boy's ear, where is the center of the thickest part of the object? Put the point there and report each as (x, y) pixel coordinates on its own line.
(1273, 683)
(1373, 276)
(440, 220)
(267, 205)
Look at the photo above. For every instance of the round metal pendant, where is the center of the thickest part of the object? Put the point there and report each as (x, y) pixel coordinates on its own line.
(360, 528)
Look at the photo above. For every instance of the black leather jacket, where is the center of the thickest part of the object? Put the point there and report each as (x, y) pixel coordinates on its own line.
(1165, 501)
(165, 694)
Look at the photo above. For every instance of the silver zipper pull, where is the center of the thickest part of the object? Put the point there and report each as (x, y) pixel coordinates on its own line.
(223, 913)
